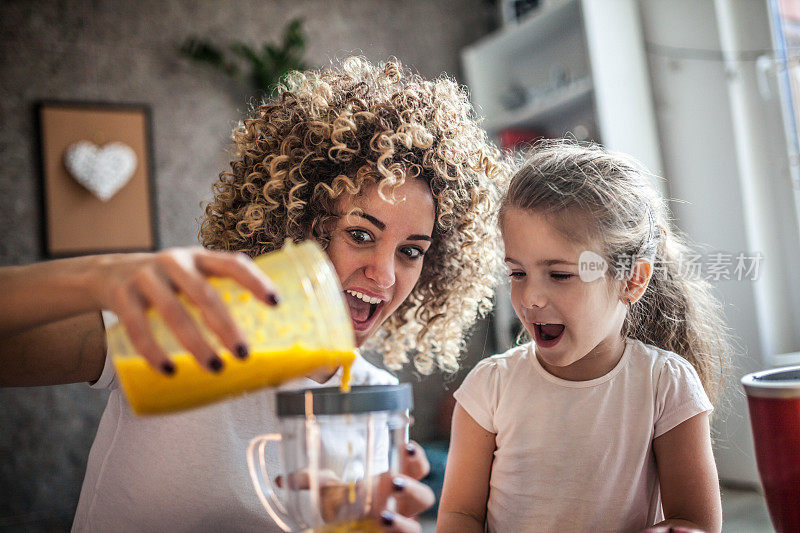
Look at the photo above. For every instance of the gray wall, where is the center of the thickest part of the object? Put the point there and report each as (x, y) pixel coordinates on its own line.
(123, 51)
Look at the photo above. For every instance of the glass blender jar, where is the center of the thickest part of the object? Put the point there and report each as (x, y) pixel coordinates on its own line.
(332, 446)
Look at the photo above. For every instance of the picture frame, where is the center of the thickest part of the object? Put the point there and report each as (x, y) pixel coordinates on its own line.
(97, 183)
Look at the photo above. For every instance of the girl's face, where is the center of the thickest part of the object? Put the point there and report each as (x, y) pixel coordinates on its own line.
(378, 251)
(575, 325)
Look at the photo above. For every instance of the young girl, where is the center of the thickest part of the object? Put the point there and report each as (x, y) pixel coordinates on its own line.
(597, 424)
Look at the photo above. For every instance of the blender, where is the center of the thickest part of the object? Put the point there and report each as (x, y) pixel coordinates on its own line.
(333, 445)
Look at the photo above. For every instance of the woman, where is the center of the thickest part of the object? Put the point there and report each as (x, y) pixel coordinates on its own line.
(389, 172)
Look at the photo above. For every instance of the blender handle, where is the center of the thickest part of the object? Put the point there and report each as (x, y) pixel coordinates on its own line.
(261, 482)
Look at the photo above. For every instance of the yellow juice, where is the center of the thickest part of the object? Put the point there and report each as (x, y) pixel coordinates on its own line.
(150, 392)
(365, 525)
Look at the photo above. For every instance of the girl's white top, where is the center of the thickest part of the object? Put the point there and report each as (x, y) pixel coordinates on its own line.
(578, 455)
(186, 471)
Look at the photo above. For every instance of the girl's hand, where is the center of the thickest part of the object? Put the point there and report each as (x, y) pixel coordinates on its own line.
(129, 284)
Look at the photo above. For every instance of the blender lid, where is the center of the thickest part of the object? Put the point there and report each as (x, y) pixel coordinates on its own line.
(774, 383)
(332, 401)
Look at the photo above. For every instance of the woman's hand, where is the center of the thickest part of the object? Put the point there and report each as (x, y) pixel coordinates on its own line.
(129, 284)
(411, 496)
(57, 303)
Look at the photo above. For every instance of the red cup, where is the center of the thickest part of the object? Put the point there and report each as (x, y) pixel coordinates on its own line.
(773, 397)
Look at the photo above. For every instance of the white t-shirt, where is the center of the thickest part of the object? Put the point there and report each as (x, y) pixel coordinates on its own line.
(185, 471)
(578, 455)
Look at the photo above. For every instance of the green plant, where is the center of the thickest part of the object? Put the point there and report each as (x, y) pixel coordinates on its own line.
(266, 66)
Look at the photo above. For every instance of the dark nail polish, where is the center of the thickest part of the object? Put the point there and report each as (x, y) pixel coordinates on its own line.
(241, 351)
(398, 484)
(215, 364)
(411, 449)
(387, 518)
(273, 299)
(168, 368)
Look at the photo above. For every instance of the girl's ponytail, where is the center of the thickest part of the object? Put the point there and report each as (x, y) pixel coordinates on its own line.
(679, 313)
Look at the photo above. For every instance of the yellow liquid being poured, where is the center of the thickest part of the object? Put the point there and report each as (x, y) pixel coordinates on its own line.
(150, 392)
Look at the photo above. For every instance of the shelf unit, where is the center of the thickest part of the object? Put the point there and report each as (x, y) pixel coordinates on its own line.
(534, 73)
(569, 66)
(569, 63)
(574, 97)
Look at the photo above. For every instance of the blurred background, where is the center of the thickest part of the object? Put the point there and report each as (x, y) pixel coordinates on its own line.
(701, 91)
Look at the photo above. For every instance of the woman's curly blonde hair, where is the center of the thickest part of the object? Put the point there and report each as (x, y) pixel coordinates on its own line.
(335, 130)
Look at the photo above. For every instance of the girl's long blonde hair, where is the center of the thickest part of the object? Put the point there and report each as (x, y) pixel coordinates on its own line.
(628, 218)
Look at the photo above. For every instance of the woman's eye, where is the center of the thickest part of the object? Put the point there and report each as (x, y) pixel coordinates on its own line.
(561, 275)
(359, 235)
(412, 252)
(516, 275)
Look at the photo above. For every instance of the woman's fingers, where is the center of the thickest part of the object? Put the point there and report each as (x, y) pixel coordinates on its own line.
(301, 480)
(411, 496)
(131, 310)
(158, 292)
(395, 522)
(241, 268)
(187, 269)
(155, 280)
(413, 461)
(188, 280)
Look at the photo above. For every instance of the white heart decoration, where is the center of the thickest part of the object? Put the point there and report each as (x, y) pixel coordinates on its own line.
(102, 170)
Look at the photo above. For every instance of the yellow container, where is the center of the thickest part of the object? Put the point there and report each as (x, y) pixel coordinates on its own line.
(309, 329)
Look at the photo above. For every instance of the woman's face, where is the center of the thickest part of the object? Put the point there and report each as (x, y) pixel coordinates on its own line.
(378, 251)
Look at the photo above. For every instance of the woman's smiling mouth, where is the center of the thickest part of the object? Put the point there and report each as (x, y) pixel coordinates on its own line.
(363, 308)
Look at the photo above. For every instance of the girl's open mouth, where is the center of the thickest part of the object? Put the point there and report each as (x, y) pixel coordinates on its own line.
(548, 335)
(362, 313)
